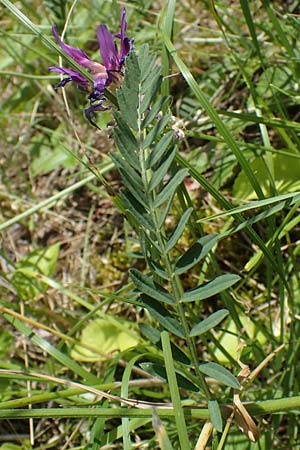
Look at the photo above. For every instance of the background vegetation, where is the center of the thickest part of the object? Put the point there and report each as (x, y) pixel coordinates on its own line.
(75, 335)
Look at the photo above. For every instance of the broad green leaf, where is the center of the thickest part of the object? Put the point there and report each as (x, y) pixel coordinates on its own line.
(159, 174)
(43, 261)
(231, 339)
(157, 129)
(162, 315)
(57, 354)
(213, 287)
(177, 233)
(219, 373)
(209, 323)
(286, 177)
(170, 188)
(278, 76)
(159, 149)
(146, 285)
(198, 251)
(103, 339)
(127, 95)
(215, 414)
(46, 158)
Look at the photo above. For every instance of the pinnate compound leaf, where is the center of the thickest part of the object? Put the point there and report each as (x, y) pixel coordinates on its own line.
(127, 95)
(146, 285)
(198, 251)
(105, 338)
(159, 149)
(209, 323)
(215, 414)
(170, 188)
(219, 373)
(159, 174)
(213, 287)
(177, 233)
(161, 314)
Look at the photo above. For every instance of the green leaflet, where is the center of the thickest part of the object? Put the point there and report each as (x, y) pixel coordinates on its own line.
(215, 414)
(156, 131)
(160, 371)
(146, 61)
(170, 188)
(158, 270)
(150, 88)
(194, 254)
(209, 323)
(138, 214)
(161, 314)
(146, 285)
(220, 374)
(127, 146)
(160, 173)
(155, 110)
(136, 191)
(151, 333)
(177, 232)
(159, 149)
(135, 177)
(210, 288)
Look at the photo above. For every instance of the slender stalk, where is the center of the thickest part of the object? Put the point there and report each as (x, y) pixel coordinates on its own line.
(279, 405)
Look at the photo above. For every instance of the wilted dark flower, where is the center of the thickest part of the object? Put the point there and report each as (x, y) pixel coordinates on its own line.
(103, 74)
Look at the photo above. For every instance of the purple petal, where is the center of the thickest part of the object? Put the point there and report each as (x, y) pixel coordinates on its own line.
(76, 53)
(125, 43)
(73, 74)
(100, 84)
(124, 40)
(90, 111)
(108, 48)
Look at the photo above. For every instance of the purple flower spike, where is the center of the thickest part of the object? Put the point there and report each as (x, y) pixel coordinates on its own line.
(103, 74)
